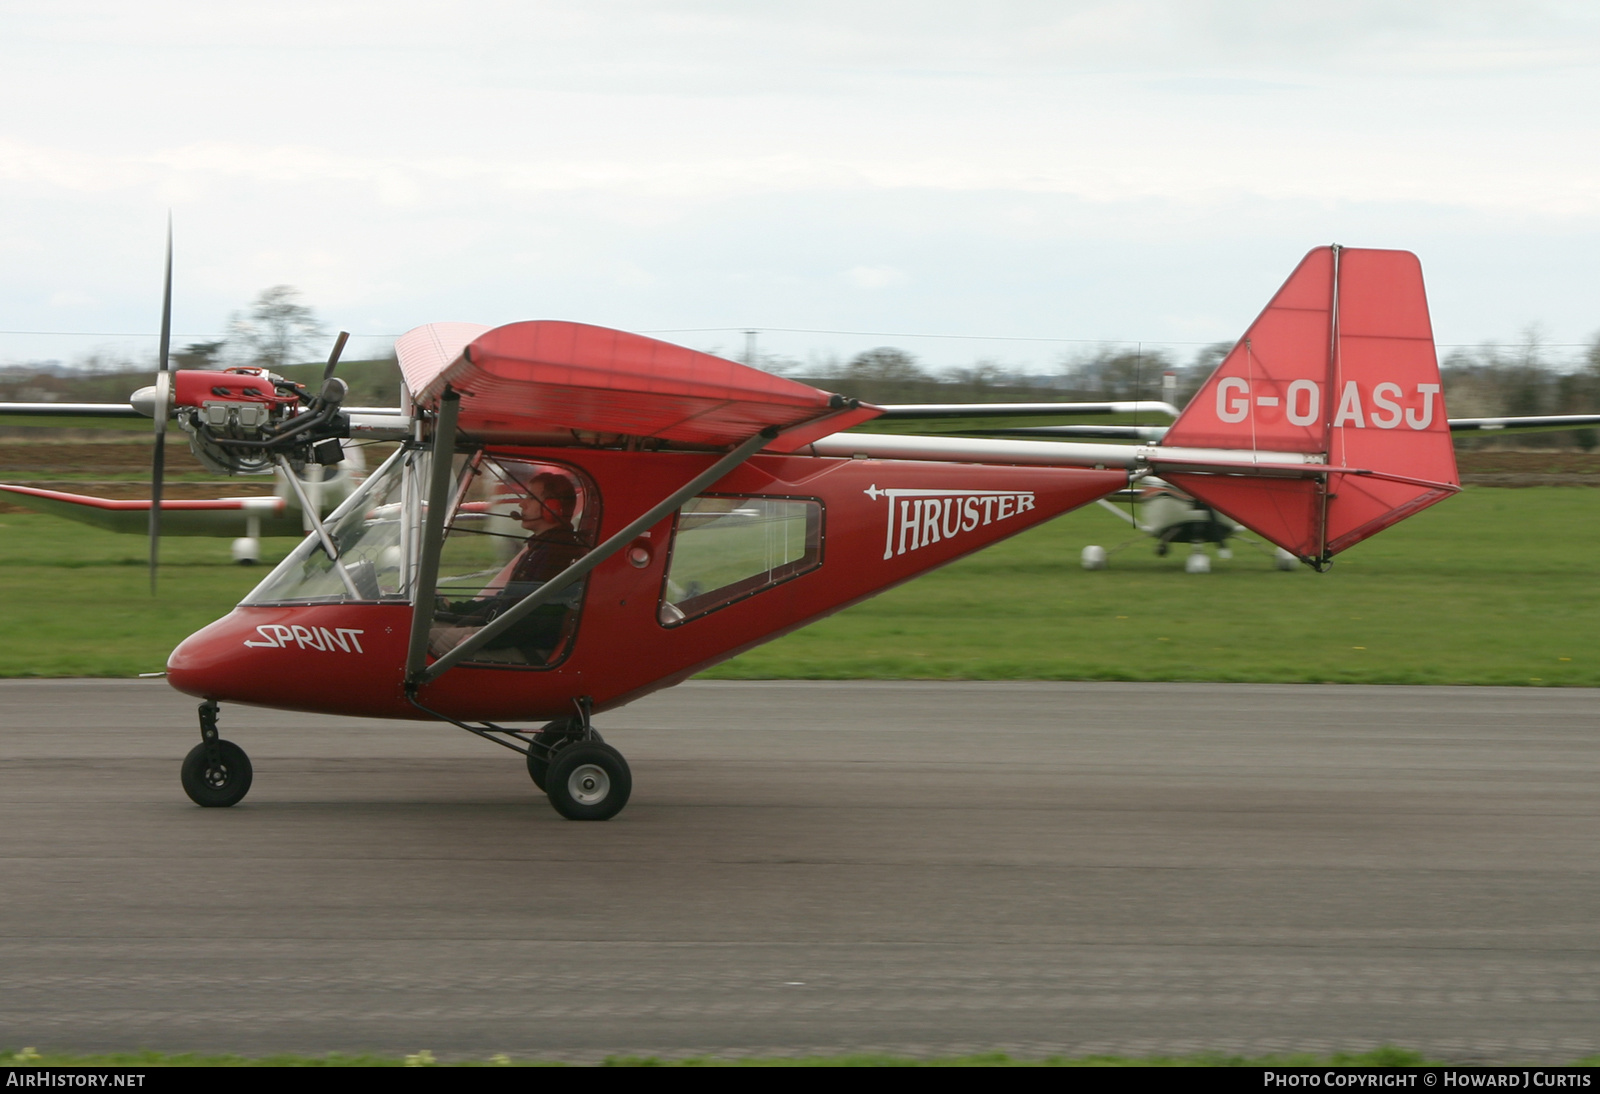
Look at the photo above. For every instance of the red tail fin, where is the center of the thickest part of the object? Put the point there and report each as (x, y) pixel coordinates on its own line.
(1341, 365)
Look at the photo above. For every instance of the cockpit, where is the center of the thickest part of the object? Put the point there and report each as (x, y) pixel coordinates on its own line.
(513, 524)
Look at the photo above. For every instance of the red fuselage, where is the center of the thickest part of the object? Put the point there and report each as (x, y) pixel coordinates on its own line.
(884, 522)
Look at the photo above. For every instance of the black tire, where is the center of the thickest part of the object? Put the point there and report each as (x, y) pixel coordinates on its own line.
(553, 736)
(217, 785)
(589, 781)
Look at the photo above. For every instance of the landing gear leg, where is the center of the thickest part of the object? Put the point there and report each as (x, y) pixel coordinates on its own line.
(215, 773)
(585, 778)
(552, 739)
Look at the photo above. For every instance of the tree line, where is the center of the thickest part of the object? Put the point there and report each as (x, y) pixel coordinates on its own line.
(1483, 382)
(278, 331)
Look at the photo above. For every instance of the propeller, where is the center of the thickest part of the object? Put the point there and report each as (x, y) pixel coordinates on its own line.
(334, 390)
(333, 358)
(163, 401)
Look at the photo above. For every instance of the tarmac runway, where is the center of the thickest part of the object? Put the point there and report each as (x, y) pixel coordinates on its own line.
(819, 867)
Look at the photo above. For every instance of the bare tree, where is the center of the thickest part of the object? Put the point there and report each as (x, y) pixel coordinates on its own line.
(199, 355)
(882, 375)
(275, 331)
(885, 365)
(1110, 373)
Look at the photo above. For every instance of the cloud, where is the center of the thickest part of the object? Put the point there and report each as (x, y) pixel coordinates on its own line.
(1040, 165)
(874, 277)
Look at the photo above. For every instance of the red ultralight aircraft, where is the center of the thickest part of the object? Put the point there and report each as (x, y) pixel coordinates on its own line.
(576, 517)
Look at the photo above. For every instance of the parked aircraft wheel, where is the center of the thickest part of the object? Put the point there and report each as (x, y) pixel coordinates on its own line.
(589, 781)
(216, 784)
(553, 736)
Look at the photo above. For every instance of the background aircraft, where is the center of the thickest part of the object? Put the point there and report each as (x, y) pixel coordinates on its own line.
(246, 519)
(1169, 516)
(311, 486)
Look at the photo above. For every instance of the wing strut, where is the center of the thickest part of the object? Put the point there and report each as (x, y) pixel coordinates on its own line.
(311, 512)
(556, 585)
(444, 446)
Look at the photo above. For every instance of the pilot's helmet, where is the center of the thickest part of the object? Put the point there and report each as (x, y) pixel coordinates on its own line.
(556, 485)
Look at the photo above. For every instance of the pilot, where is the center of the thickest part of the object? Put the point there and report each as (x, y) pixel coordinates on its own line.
(554, 545)
(546, 511)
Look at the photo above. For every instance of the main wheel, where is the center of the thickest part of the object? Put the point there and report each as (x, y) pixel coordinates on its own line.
(216, 784)
(553, 736)
(589, 781)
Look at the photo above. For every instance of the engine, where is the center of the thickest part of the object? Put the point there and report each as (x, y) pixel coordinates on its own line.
(241, 420)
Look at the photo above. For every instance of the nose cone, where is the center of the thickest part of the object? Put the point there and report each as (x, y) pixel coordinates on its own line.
(328, 658)
(211, 662)
(144, 400)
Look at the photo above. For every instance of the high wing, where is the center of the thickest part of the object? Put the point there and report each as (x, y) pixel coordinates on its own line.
(543, 381)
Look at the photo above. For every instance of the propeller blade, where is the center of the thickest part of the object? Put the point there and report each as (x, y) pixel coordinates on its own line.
(163, 400)
(333, 358)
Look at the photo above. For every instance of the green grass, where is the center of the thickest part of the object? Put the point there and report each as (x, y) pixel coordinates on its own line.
(1387, 1056)
(1491, 587)
(75, 600)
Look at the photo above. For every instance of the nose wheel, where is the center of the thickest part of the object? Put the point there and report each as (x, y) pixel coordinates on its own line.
(220, 781)
(215, 773)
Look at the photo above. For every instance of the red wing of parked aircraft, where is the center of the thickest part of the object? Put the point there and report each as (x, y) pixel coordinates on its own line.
(247, 520)
(196, 516)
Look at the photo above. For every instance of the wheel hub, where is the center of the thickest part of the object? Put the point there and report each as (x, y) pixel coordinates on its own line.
(589, 784)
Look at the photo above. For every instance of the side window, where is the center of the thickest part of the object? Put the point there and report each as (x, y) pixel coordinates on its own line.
(516, 524)
(727, 548)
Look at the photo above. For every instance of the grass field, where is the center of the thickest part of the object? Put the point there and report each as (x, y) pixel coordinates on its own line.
(1491, 587)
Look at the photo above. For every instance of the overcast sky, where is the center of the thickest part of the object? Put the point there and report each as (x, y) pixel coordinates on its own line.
(1069, 170)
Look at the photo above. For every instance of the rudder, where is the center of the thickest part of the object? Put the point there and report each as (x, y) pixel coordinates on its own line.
(1341, 367)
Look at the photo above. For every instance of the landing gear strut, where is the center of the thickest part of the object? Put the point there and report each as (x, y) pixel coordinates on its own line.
(551, 739)
(215, 773)
(585, 778)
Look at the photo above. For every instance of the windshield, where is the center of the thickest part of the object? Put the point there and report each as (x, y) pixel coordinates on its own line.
(371, 537)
